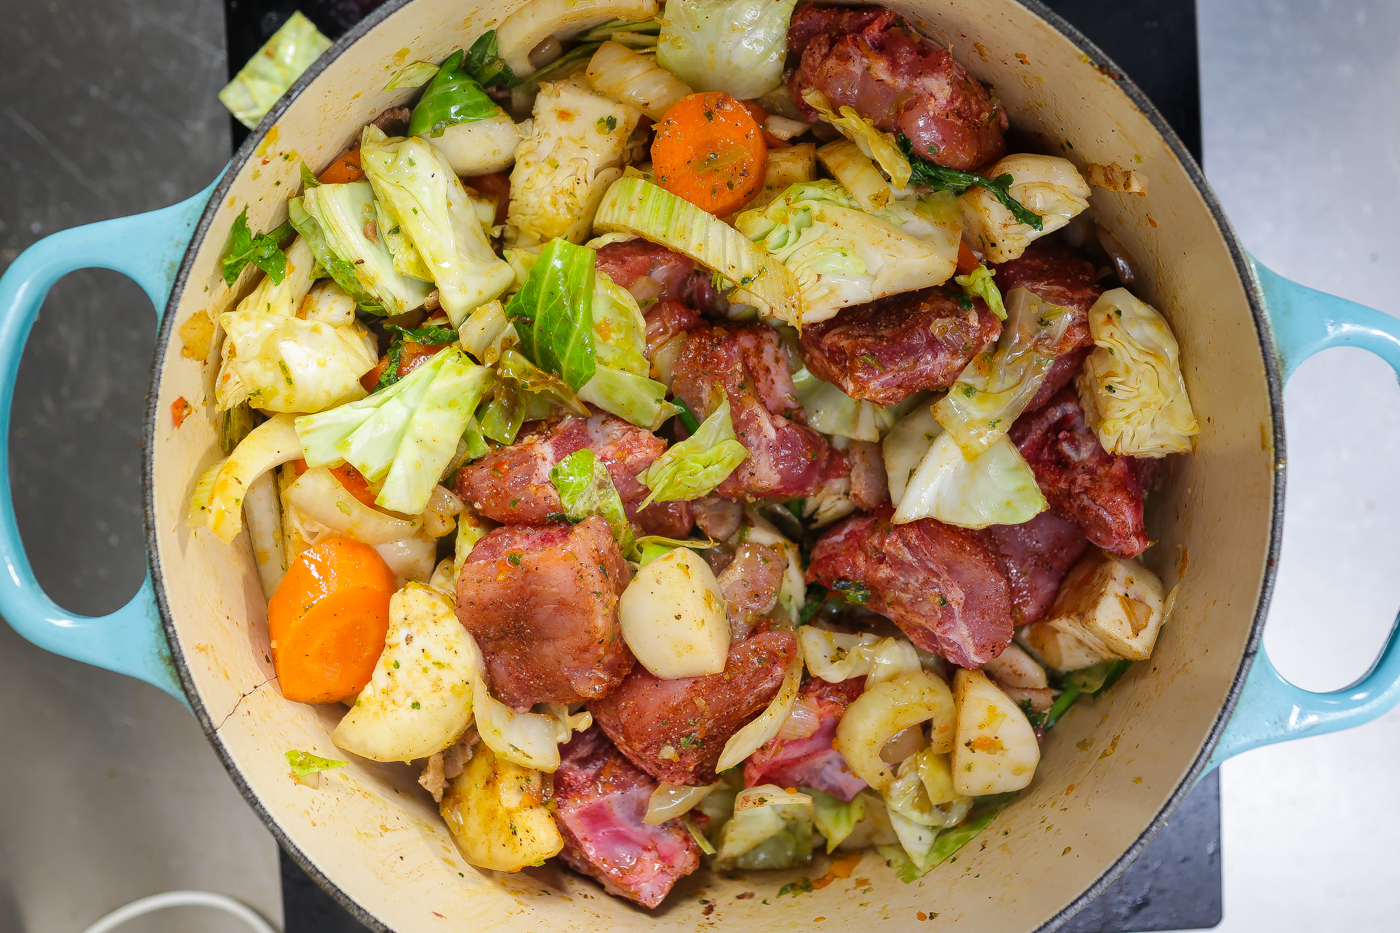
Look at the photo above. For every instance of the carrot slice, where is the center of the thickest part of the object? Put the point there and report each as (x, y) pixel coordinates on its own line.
(327, 620)
(709, 150)
(344, 169)
(967, 262)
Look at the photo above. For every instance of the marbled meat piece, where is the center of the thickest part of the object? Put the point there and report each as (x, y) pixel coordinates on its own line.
(650, 270)
(600, 801)
(811, 761)
(1034, 557)
(869, 59)
(665, 320)
(718, 518)
(787, 460)
(870, 485)
(750, 584)
(511, 485)
(1098, 491)
(541, 603)
(937, 582)
(887, 349)
(674, 730)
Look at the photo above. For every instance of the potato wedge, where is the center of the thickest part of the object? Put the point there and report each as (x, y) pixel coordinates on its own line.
(996, 750)
(419, 700)
(1107, 608)
(497, 814)
(673, 617)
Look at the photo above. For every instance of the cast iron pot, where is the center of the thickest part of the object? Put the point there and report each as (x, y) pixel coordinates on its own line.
(1112, 771)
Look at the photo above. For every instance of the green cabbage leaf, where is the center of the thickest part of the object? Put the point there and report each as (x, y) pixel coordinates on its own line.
(696, 466)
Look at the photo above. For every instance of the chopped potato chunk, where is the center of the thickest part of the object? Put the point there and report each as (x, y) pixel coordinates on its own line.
(1107, 608)
(497, 814)
(996, 750)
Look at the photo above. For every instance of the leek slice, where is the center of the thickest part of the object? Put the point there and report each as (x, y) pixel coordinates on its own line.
(636, 206)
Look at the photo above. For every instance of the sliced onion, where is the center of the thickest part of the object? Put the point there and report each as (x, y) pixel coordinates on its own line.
(530, 740)
(768, 795)
(890, 658)
(262, 509)
(270, 444)
(669, 801)
(887, 709)
(752, 737)
(320, 496)
(802, 721)
(440, 516)
(663, 358)
(411, 558)
(909, 742)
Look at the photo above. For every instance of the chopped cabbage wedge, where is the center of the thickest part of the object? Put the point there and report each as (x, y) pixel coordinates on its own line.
(1131, 386)
(420, 193)
(404, 435)
(285, 364)
(270, 444)
(881, 148)
(995, 388)
(835, 818)
(633, 398)
(856, 171)
(273, 69)
(904, 448)
(736, 46)
(341, 272)
(343, 214)
(831, 411)
(621, 383)
(566, 163)
(534, 22)
(635, 206)
(838, 656)
(586, 488)
(911, 797)
(840, 255)
(553, 312)
(979, 284)
(695, 466)
(1048, 186)
(770, 825)
(997, 487)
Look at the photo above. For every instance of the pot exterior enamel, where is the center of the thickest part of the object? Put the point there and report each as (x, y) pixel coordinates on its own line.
(1111, 768)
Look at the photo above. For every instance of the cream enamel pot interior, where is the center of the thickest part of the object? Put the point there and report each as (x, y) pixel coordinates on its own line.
(1112, 770)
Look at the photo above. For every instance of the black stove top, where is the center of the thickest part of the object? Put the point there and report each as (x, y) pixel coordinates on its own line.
(1175, 883)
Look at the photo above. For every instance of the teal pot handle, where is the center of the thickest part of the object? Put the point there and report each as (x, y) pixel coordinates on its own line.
(1270, 709)
(147, 248)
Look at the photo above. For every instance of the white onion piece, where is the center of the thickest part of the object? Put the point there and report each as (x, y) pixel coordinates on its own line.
(752, 737)
(262, 510)
(521, 31)
(631, 78)
(802, 721)
(909, 742)
(440, 516)
(411, 559)
(530, 740)
(768, 795)
(669, 801)
(320, 496)
(836, 656)
(886, 709)
(890, 658)
(270, 444)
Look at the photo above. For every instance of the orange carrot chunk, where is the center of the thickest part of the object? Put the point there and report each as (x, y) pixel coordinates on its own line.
(327, 620)
(710, 150)
(344, 169)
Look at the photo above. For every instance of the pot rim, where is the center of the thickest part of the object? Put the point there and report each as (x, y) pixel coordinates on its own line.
(1253, 293)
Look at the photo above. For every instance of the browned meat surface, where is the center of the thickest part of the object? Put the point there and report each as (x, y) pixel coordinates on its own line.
(512, 485)
(750, 584)
(1098, 491)
(811, 761)
(869, 59)
(601, 798)
(888, 349)
(940, 584)
(787, 460)
(1064, 369)
(650, 270)
(1034, 557)
(718, 518)
(674, 730)
(666, 319)
(870, 487)
(542, 604)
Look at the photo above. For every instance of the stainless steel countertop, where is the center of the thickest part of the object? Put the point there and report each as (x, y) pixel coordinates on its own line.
(108, 790)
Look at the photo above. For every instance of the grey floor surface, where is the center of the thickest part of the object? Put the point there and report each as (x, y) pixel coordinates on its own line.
(108, 790)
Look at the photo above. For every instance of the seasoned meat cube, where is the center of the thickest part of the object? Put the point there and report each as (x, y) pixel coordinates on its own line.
(870, 486)
(940, 584)
(718, 518)
(1034, 557)
(1062, 371)
(869, 59)
(674, 730)
(886, 350)
(811, 761)
(650, 270)
(542, 605)
(786, 460)
(1098, 491)
(750, 583)
(601, 798)
(512, 485)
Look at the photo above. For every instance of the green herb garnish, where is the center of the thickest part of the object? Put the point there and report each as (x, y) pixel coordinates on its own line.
(925, 172)
(263, 251)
